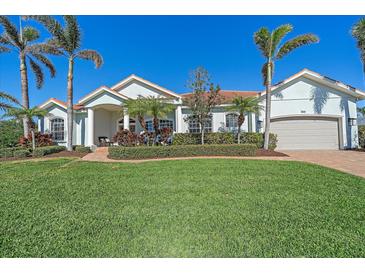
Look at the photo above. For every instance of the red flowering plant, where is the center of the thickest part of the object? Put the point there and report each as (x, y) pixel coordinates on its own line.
(41, 140)
(127, 138)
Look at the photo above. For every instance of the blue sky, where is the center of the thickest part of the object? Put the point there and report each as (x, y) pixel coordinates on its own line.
(163, 49)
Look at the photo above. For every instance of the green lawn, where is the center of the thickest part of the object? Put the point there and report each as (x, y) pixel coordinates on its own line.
(190, 208)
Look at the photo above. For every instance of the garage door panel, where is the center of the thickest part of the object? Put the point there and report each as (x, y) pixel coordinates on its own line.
(297, 133)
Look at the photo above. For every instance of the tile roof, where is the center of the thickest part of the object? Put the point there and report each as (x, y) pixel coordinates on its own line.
(228, 95)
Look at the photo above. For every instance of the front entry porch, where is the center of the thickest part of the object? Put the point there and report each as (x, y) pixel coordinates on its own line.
(103, 121)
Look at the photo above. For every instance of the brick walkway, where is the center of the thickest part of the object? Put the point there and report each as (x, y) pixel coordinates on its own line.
(348, 161)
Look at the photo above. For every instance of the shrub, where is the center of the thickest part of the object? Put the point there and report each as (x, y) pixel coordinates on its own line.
(145, 152)
(224, 138)
(9, 152)
(21, 153)
(127, 138)
(82, 149)
(10, 132)
(361, 136)
(41, 140)
(41, 151)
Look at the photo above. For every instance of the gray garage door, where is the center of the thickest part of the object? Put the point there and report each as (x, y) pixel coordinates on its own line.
(306, 133)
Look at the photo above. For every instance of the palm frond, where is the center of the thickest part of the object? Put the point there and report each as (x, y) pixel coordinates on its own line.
(358, 32)
(262, 39)
(37, 70)
(46, 47)
(4, 39)
(4, 106)
(278, 34)
(296, 42)
(244, 105)
(72, 33)
(4, 49)
(53, 27)
(30, 34)
(44, 60)
(8, 97)
(11, 31)
(93, 55)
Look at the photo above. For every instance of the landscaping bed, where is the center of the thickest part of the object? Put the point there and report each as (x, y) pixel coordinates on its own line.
(20, 153)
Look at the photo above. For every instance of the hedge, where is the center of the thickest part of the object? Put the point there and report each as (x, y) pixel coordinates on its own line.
(361, 136)
(82, 149)
(146, 152)
(41, 151)
(224, 138)
(21, 153)
(9, 152)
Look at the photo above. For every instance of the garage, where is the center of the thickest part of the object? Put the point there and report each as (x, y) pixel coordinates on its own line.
(306, 132)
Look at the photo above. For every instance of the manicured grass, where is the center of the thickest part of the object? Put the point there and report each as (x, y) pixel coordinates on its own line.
(194, 208)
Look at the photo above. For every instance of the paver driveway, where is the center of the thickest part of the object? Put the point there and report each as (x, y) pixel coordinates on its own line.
(348, 161)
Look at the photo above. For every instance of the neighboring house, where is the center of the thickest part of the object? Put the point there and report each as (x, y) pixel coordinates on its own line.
(309, 111)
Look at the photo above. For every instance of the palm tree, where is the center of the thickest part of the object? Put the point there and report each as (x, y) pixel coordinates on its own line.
(6, 100)
(22, 112)
(362, 111)
(68, 40)
(269, 45)
(358, 32)
(137, 108)
(158, 108)
(23, 42)
(244, 105)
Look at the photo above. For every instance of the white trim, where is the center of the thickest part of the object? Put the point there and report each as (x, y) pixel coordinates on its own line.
(148, 83)
(100, 90)
(49, 102)
(337, 85)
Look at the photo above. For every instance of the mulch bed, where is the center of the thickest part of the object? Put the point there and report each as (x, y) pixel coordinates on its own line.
(66, 153)
(264, 152)
(54, 155)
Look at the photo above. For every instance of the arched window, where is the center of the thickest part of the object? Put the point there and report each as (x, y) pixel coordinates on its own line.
(232, 121)
(58, 129)
(194, 126)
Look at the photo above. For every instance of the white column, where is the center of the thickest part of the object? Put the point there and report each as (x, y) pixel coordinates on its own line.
(178, 119)
(90, 127)
(126, 120)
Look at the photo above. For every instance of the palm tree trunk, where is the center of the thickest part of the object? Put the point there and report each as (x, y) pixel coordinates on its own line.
(70, 103)
(33, 139)
(155, 127)
(202, 134)
(24, 88)
(241, 120)
(268, 107)
(142, 122)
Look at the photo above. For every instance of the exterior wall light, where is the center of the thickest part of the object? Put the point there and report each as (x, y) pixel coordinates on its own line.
(352, 121)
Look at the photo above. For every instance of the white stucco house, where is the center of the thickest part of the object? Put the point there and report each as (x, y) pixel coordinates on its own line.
(309, 111)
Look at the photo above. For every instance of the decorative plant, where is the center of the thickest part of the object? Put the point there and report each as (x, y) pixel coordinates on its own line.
(205, 95)
(67, 39)
(22, 42)
(269, 45)
(244, 106)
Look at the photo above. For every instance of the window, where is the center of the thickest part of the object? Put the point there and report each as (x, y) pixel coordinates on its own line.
(166, 124)
(194, 126)
(162, 124)
(232, 121)
(58, 129)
